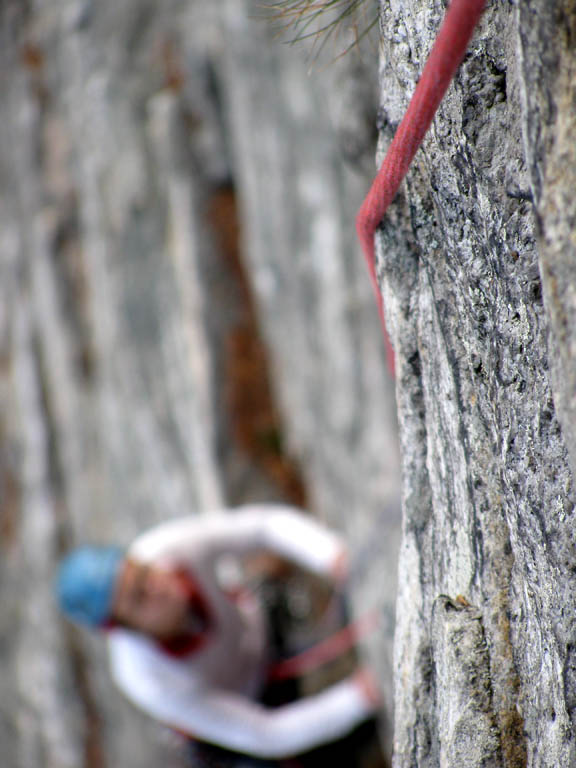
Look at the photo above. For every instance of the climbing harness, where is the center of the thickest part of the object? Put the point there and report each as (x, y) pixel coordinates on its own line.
(335, 645)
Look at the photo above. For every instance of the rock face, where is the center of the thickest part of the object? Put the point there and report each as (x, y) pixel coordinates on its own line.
(151, 367)
(485, 392)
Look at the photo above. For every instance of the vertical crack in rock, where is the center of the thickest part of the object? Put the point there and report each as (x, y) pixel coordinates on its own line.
(505, 681)
(10, 490)
(468, 730)
(547, 51)
(93, 750)
(67, 255)
(557, 214)
(255, 422)
(93, 746)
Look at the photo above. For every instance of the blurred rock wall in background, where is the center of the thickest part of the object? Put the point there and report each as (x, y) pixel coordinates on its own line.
(185, 322)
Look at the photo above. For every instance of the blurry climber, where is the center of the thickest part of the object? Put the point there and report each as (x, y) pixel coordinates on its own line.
(193, 646)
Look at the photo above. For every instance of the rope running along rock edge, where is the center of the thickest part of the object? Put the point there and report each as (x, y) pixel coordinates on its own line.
(445, 57)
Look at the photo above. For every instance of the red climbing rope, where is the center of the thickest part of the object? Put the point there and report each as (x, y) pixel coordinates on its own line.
(448, 51)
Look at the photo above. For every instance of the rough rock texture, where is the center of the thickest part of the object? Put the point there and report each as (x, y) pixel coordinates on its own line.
(487, 485)
(550, 106)
(133, 373)
(468, 732)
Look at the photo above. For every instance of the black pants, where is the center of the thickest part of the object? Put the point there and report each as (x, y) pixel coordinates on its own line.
(359, 749)
(204, 755)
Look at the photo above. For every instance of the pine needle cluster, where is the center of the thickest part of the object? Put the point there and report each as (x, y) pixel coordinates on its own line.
(324, 21)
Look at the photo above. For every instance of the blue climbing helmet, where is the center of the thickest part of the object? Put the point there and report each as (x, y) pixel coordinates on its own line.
(85, 584)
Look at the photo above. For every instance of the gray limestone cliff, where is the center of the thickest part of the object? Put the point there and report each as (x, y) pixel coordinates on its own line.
(477, 264)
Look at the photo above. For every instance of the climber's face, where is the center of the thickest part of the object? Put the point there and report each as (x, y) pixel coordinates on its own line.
(151, 600)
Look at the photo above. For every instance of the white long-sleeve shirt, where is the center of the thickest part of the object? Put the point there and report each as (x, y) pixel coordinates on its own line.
(211, 694)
